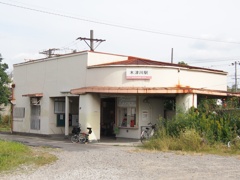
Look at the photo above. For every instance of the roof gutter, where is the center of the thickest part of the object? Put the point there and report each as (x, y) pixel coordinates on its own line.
(151, 90)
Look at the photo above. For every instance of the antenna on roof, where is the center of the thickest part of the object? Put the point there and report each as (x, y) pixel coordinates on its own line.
(91, 39)
(49, 52)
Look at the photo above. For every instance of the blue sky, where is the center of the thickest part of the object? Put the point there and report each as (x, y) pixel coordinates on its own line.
(193, 28)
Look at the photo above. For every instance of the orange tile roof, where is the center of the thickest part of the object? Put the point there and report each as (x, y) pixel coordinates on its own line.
(146, 62)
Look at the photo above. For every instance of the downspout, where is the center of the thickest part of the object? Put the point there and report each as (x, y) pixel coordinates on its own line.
(12, 104)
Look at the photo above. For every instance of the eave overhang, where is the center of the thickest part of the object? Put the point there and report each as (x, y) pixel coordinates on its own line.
(33, 95)
(151, 90)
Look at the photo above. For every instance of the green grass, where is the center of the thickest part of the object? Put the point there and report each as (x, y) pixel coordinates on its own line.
(14, 154)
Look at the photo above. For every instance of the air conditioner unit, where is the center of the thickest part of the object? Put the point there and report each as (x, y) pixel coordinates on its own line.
(35, 101)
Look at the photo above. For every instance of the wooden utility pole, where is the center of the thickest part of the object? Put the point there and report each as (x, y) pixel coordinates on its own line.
(92, 40)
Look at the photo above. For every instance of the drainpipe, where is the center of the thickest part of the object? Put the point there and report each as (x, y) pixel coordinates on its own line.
(12, 104)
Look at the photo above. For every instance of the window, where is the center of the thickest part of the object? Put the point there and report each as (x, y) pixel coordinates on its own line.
(59, 105)
(19, 112)
(35, 124)
(35, 117)
(127, 112)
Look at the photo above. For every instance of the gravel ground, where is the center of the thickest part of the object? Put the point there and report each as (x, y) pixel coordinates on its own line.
(117, 162)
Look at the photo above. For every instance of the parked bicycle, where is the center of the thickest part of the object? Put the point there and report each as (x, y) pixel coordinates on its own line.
(148, 132)
(81, 137)
(76, 131)
(234, 141)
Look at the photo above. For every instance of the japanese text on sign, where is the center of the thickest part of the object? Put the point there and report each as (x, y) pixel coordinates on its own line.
(138, 74)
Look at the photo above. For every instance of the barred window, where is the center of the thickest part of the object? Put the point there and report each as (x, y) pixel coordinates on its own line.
(18, 112)
(35, 117)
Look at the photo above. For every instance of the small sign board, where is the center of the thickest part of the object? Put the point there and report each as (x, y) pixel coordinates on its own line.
(138, 73)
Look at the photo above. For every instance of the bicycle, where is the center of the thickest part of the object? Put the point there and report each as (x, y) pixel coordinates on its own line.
(148, 133)
(75, 131)
(81, 137)
(233, 141)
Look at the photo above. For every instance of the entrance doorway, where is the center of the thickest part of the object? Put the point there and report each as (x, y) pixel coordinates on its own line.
(107, 116)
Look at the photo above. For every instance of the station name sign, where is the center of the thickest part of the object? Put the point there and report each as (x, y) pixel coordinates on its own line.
(137, 73)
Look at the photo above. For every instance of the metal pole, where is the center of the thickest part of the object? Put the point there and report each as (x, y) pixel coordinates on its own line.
(235, 76)
(66, 116)
(91, 40)
(172, 56)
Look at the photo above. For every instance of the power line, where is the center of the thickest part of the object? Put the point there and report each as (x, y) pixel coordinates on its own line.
(116, 25)
(199, 61)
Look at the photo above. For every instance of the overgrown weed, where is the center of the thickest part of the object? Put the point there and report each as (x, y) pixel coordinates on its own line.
(190, 142)
(5, 125)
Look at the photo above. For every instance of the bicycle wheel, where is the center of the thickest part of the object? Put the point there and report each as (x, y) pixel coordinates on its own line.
(144, 137)
(82, 138)
(74, 138)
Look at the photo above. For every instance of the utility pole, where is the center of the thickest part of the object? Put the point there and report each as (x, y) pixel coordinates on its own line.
(235, 64)
(92, 40)
(172, 56)
(49, 52)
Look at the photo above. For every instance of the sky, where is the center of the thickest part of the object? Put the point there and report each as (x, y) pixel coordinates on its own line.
(203, 33)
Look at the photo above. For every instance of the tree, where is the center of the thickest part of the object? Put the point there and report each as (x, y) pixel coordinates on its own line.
(4, 82)
(182, 63)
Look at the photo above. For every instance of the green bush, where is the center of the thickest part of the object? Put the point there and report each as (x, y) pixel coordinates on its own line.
(219, 126)
(235, 143)
(5, 123)
(190, 140)
(5, 119)
(208, 128)
(163, 144)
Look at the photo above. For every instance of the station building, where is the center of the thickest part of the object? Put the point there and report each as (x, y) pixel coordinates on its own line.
(113, 94)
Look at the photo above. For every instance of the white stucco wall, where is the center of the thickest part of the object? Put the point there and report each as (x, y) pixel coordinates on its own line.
(50, 77)
(55, 76)
(185, 101)
(102, 58)
(89, 114)
(161, 77)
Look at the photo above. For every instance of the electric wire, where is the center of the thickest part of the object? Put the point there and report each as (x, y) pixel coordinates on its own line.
(74, 43)
(115, 25)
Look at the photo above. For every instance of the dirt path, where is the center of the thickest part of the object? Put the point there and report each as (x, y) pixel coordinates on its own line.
(115, 162)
